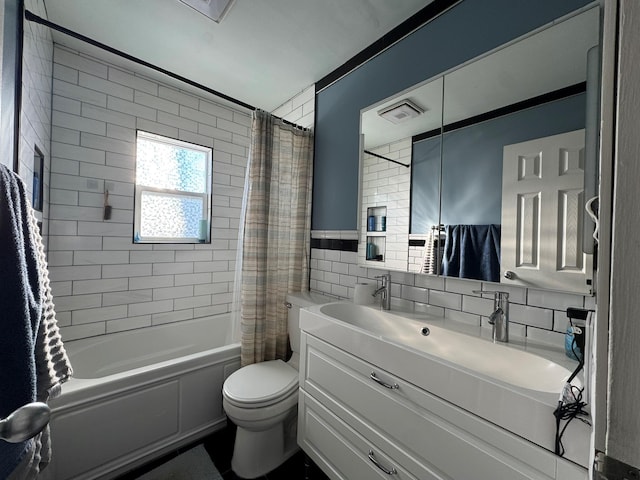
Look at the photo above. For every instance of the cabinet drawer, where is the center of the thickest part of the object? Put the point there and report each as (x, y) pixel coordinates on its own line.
(343, 452)
(426, 427)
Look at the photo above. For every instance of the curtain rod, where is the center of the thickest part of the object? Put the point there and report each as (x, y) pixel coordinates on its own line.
(385, 158)
(35, 18)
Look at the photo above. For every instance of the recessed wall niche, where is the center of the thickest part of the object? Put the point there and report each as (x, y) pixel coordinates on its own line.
(38, 181)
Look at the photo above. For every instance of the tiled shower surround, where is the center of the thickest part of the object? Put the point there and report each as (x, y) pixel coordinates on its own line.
(102, 282)
(536, 314)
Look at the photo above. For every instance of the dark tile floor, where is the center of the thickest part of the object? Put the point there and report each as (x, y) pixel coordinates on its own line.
(219, 446)
(220, 449)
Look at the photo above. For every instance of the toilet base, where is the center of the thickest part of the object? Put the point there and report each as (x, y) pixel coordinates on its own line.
(257, 453)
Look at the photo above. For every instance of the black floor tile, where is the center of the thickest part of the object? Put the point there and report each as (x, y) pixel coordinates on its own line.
(298, 467)
(147, 467)
(292, 468)
(232, 476)
(219, 446)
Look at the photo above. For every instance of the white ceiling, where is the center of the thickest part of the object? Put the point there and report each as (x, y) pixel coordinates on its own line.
(263, 52)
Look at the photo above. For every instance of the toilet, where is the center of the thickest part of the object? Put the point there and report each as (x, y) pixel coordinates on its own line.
(262, 401)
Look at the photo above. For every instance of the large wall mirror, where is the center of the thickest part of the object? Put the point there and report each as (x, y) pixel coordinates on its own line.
(484, 171)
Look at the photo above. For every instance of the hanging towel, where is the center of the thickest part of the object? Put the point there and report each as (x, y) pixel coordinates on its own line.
(433, 251)
(472, 251)
(33, 362)
(428, 260)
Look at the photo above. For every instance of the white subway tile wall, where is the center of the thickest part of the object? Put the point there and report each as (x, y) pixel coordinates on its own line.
(537, 314)
(102, 282)
(416, 253)
(387, 185)
(300, 109)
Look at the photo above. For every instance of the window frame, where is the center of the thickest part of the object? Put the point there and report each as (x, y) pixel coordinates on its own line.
(139, 189)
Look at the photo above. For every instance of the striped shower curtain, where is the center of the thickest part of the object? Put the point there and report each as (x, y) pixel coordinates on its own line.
(276, 247)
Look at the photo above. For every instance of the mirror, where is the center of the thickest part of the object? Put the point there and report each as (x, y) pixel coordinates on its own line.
(464, 202)
(386, 172)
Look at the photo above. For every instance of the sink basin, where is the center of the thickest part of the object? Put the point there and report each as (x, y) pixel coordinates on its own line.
(514, 386)
(499, 362)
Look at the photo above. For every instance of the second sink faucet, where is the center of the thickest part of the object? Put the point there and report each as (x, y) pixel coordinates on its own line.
(500, 316)
(384, 291)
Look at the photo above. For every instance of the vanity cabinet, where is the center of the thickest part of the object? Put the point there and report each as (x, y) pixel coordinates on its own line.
(358, 421)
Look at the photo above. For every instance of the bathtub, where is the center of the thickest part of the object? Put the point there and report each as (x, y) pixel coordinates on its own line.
(139, 394)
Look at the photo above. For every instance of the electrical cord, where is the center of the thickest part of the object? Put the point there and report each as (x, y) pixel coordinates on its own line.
(570, 405)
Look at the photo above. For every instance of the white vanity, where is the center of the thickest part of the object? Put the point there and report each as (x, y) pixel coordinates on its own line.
(385, 395)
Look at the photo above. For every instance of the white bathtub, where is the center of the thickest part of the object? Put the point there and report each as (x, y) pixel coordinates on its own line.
(137, 395)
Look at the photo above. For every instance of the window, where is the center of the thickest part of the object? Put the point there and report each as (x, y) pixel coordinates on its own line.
(173, 191)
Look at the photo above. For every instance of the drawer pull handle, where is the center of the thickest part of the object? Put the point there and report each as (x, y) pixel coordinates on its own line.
(393, 471)
(395, 386)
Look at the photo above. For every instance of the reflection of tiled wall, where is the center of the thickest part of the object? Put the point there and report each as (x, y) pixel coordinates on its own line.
(538, 314)
(102, 282)
(35, 123)
(416, 252)
(387, 184)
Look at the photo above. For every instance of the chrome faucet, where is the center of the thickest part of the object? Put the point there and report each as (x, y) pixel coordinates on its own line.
(500, 316)
(384, 291)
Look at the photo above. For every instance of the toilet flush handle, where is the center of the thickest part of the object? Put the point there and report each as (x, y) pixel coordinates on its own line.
(287, 304)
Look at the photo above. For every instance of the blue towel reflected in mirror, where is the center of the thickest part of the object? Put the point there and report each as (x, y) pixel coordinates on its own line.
(472, 251)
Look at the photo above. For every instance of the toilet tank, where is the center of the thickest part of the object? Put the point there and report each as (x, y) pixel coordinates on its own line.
(301, 300)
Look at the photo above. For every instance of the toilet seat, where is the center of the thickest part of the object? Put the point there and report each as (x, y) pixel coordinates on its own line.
(261, 384)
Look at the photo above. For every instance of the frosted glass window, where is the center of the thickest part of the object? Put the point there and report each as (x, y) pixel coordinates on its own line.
(173, 194)
(165, 215)
(161, 165)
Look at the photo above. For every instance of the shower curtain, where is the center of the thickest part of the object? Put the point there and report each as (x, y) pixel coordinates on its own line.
(274, 243)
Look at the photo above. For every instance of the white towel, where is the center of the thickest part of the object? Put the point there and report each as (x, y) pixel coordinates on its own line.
(433, 250)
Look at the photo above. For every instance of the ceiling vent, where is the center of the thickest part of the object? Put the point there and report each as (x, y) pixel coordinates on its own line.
(214, 9)
(401, 112)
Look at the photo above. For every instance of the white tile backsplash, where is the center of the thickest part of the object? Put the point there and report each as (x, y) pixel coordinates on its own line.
(445, 299)
(463, 317)
(556, 300)
(534, 316)
(537, 314)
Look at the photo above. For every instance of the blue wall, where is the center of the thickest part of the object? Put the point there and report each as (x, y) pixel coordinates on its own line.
(472, 163)
(425, 185)
(464, 32)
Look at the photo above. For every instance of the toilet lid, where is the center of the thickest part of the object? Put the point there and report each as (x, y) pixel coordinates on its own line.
(261, 382)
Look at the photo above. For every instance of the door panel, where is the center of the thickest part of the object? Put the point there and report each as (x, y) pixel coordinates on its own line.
(543, 189)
